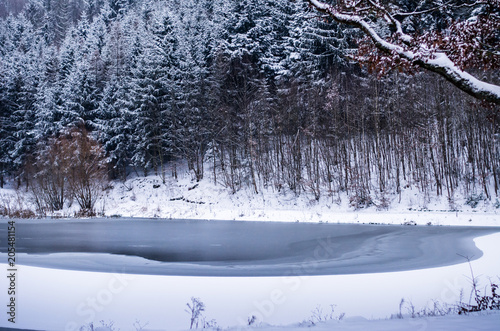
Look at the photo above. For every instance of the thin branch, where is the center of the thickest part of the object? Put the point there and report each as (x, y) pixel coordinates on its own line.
(447, 4)
(424, 11)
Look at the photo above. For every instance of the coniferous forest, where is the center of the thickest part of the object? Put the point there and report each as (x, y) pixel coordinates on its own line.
(252, 94)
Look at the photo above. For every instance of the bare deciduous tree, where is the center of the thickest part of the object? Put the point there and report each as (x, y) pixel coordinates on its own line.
(72, 167)
(87, 169)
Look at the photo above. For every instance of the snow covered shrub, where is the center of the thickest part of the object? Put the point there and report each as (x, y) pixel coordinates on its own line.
(105, 326)
(360, 200)
(252, 320)
(317, 316)
(384, 202)
(481, 301)
(14, 207)
(437, 309)
(211, 324)
(196, 309)
(474, 200)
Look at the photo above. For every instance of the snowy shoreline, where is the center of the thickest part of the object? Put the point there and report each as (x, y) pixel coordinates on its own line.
(185, 199)
(164, 197)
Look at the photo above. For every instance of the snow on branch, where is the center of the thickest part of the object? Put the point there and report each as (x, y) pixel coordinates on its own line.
(444, 54)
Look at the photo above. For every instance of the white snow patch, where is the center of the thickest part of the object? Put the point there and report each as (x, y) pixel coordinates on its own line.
(185, 199)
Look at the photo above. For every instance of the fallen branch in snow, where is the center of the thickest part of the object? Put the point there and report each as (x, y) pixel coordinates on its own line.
(187, 200)
(193, 187)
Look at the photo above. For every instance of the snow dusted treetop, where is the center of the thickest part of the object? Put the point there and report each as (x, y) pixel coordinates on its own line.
(470, 42)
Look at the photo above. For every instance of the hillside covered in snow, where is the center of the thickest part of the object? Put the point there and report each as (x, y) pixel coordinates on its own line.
(259, 100)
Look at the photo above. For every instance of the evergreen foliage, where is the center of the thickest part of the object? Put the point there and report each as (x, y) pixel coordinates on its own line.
(261, 89)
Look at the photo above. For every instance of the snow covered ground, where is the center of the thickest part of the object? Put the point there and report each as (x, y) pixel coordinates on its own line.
(183, 198)
(186, 199)
(475, 322)
(55, 299)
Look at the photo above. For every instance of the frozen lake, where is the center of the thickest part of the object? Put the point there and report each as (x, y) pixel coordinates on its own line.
(232, 248)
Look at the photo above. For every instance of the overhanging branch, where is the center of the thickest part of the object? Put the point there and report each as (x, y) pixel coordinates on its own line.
(435, 62)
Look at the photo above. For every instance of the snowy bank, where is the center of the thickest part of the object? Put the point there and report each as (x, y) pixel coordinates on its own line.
(186, 199)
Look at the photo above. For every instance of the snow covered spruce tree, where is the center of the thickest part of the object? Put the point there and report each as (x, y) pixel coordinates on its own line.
(468, 39)
(114, 114)
(192, 122)
(20, 71)
(154, 90)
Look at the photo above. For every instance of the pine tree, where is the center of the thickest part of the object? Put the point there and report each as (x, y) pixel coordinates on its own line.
(154, 88)
(114, 116)
(83, 83)
(57, 19)
(192, 122)
(48, 99)
(114, 127)
(6, 124)
(21, 83)
(92, 8)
